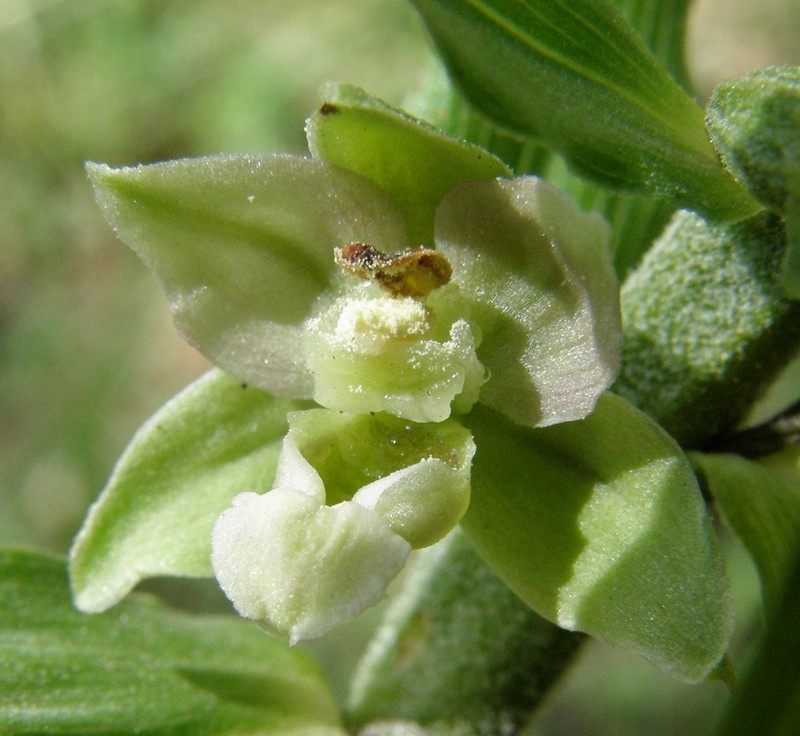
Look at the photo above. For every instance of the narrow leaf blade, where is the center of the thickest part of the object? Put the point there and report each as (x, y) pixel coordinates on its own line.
(142, 668)
(578, 77)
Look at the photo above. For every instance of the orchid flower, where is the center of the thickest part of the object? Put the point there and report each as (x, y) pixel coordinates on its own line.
(373, 308)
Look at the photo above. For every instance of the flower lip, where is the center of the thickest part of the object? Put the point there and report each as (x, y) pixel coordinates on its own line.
(301, 564)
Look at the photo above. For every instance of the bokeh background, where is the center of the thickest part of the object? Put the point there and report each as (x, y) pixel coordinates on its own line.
(87, 349)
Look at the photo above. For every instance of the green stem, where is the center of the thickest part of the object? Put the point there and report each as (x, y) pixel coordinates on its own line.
(774, 435)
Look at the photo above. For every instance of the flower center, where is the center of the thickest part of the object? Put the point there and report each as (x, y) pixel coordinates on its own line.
(410, 352)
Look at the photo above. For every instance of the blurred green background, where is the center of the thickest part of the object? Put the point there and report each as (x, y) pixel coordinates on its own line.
(87, 350)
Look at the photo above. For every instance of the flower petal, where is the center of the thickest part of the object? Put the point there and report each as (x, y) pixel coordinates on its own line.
(545, 295)
(299, 566)
(421, 503)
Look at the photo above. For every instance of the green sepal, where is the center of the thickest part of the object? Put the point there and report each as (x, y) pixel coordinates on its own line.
(754, 124)
(599, 526)
(215, 439)
(413, 161)
(143, 668)
(760, 501)
(577, 77)
(457, 651)
(243, 246)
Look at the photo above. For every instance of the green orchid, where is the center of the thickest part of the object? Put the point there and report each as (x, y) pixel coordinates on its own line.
(374, 308)
(532, 299)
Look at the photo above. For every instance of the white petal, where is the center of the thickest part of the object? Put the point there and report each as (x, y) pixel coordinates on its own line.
(300, 567)
(422, 503)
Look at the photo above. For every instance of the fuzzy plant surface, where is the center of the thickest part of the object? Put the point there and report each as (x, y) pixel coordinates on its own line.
(439, 387)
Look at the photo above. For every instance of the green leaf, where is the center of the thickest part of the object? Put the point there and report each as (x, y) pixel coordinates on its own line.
(635, 220)
(416, 163)
(706, 325)
(578, 77)
(544, 295)
(600, 527)
(662, 26)
(243, 245)
(767, 702)
(761, 503)
(754, 123)
(215, 439)
(143, 669)
(457, 650)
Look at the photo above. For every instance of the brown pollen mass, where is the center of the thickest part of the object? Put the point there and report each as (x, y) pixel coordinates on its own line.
(415, 272)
